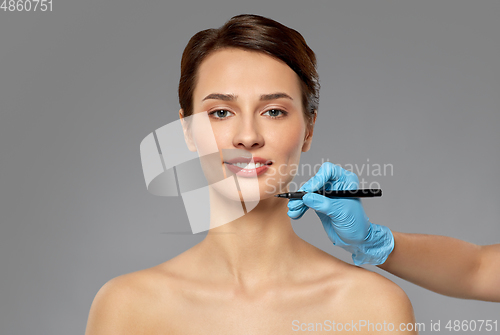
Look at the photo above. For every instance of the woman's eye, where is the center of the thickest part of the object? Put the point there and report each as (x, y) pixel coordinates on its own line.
(275, 113)
(220, 114)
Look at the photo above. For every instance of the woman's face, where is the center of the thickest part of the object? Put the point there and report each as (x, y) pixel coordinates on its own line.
(254, 103)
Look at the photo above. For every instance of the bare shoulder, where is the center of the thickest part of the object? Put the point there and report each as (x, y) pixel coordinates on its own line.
(356, 293)
(377, 299)
(119, 304)
(127, 304)
(380, 292)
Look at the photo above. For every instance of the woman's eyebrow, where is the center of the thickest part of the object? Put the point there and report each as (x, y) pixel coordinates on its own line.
(232, 97)
(274, 96)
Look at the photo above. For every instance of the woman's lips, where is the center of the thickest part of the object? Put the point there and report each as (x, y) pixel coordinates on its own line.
(247, 172)
(246, 160)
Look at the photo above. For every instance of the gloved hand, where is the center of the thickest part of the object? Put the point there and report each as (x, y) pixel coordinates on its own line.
(344, 219)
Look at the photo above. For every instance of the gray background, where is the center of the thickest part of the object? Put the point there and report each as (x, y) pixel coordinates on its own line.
(410, 83)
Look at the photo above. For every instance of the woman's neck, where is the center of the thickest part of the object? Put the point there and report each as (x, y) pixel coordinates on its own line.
(260, 245)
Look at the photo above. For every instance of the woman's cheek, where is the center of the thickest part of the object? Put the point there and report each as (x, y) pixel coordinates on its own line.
(294, 147)
(223, 141)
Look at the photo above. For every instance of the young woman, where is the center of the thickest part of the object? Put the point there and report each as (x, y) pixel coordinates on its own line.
(257, 80)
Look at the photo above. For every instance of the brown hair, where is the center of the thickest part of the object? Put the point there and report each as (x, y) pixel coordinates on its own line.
(257, 33)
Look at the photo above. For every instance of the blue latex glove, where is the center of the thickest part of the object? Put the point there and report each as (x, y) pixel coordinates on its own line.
(344, 219)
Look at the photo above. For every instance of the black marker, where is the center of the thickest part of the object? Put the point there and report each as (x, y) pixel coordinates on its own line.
(362, 193)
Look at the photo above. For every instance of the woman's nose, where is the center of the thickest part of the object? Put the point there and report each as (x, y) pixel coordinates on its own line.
(247, 135)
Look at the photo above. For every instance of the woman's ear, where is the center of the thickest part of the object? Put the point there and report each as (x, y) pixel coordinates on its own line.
(309, 133)
(187, 132)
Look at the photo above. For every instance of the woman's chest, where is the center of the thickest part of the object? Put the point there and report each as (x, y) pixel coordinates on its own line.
(260, 316)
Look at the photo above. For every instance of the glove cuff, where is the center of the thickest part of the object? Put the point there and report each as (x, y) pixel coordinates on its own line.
(377, 246)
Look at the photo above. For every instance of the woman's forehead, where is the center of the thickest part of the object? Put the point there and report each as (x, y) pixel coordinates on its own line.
(248, 73)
